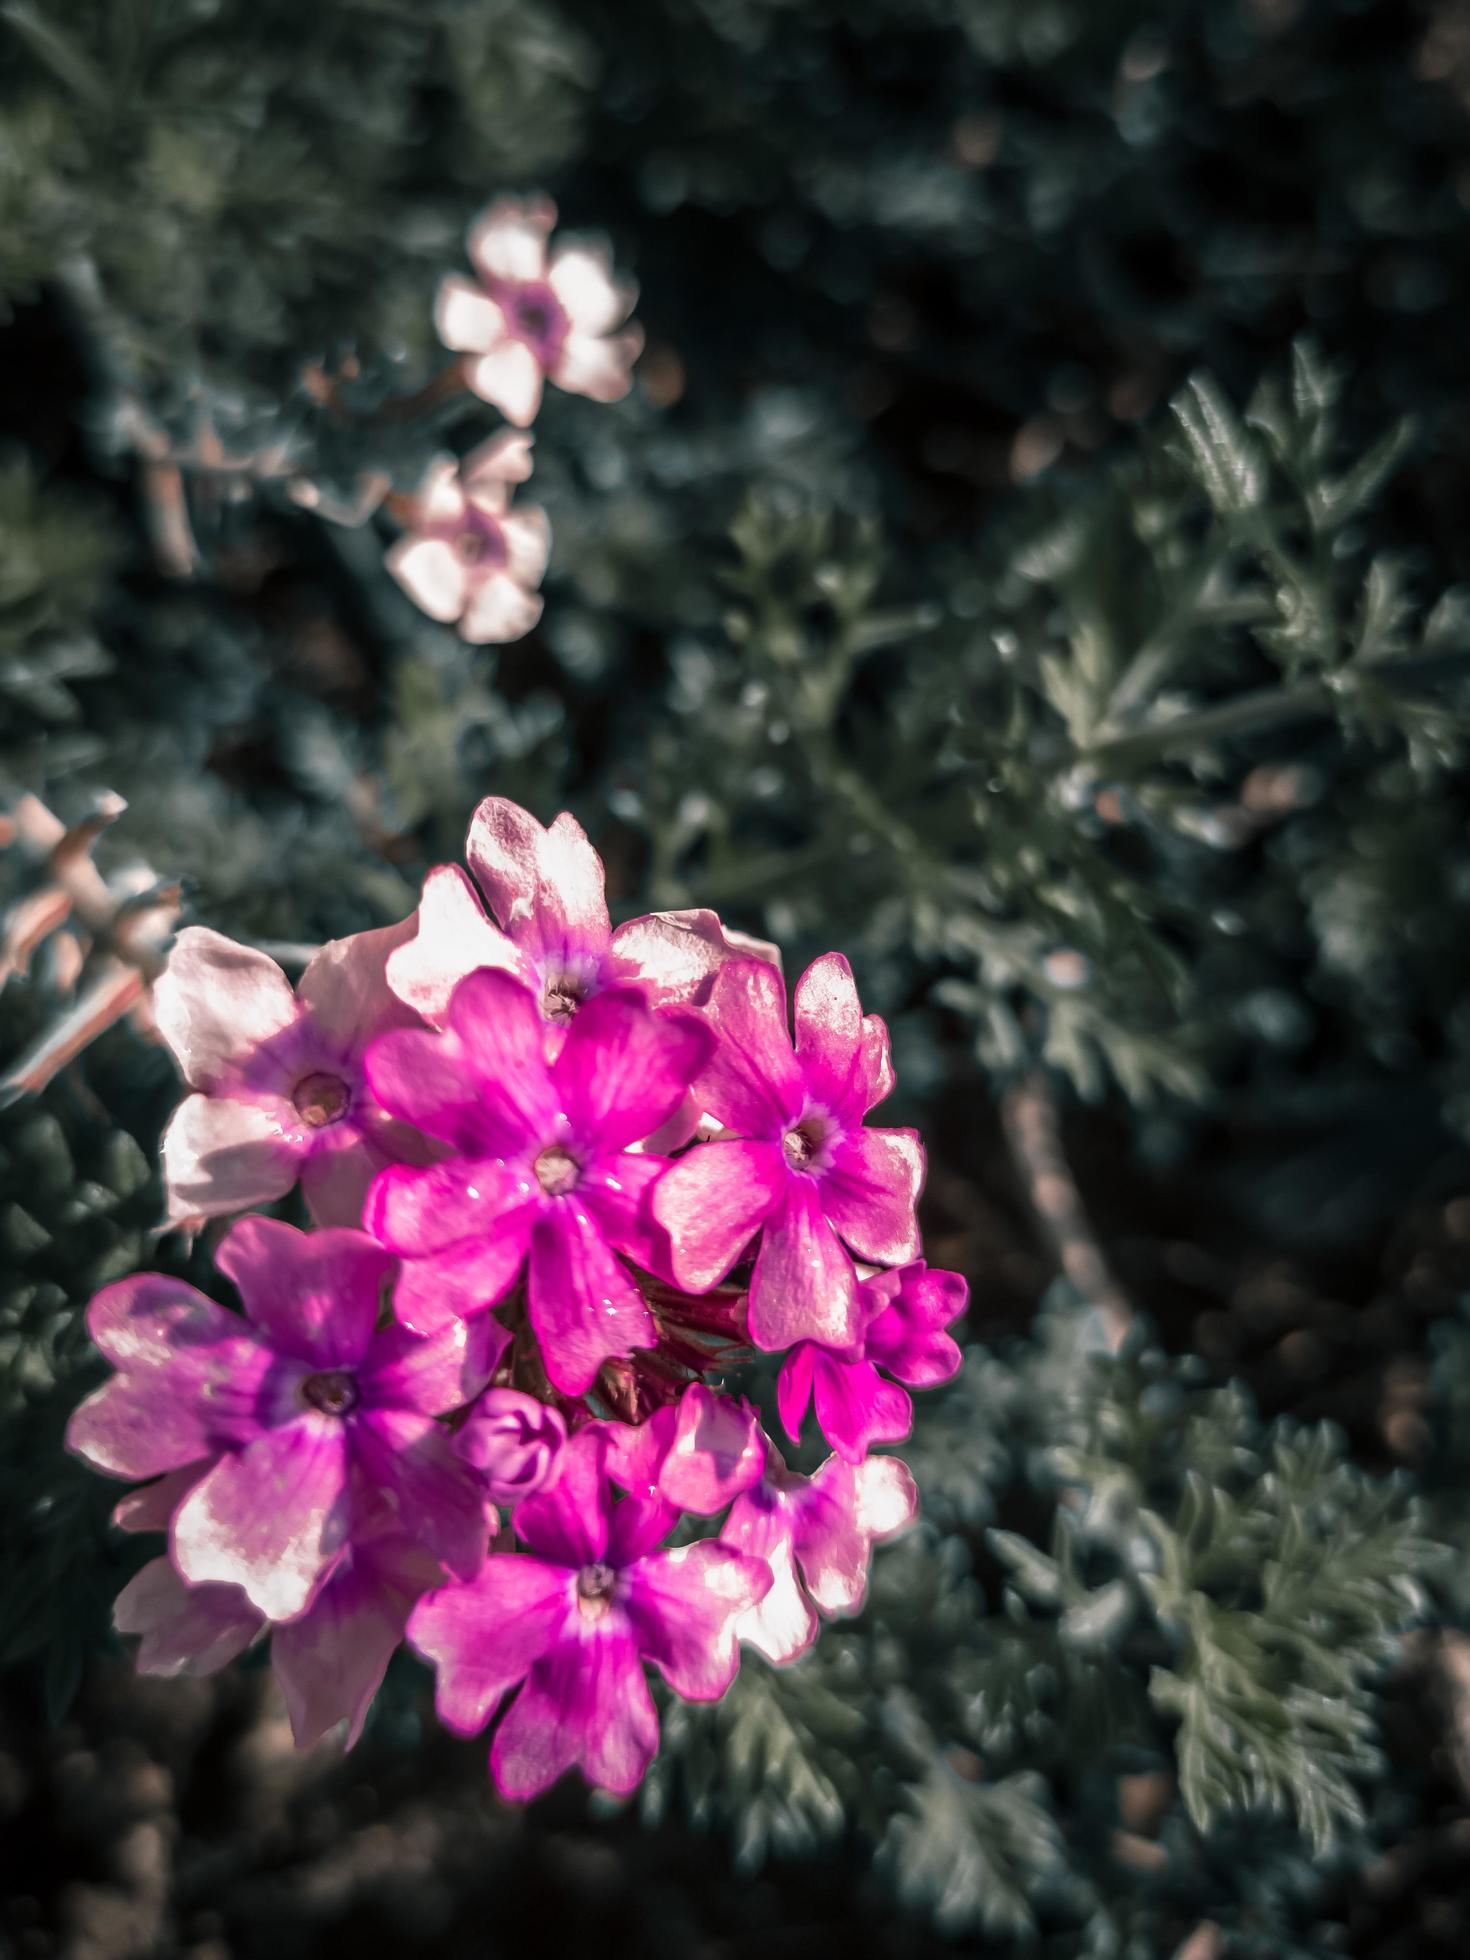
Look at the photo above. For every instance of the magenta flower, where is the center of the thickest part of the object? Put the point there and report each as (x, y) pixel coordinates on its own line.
(574, 1621)
(513, 1441)
(905, 1336)
(800, 1164)
(468, 556)
(816, 1534)
(277, 1077)
(545, 887)
(543, 1174)
(697, 1453)
(330, 1661)
(313, 1418)
(529, 319)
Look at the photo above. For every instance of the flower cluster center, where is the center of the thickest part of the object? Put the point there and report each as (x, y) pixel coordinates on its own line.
(557, 1171)
(333, 1391)
(320, 1099)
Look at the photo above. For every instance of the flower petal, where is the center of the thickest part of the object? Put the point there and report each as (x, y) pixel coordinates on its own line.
(602, 370)
(712, 1201)
(545, 886)
(794, 1387)
(584, 1306)
(216, 1001)
(783, 1625)
(483, 1637)
(908, 1338)
(674, 955)
(753, 1081)
(803, 1287)
(469, 1200)
(586, 1704)
(567, 1523)
(624, 1068)
(189, 1630)
(498, 1026)
(683, 1606)
(461, 1281)
(433, 1494)
(716, 1450)
(432, 573)
(593, 301)
(527, 534)
(508, 239)
(838, 1515)
(870, 1193)
(436, 1374)
(857, 1408)
(509, 377)
(315, 1295)
(615, 1190)
(221, 1156)
(453, 938)
(345, 987)
(498, 611)
(466, 319)
(270, 1520)
(504, 458)
(513, 1441)
(331, 1661)
(150, 1507)
(829, 1036)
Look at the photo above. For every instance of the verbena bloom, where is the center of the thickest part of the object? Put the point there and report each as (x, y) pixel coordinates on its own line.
(799, 1166)
(905, 1336)
(277, 1077)
(697, 1453)
(573, 1619)
(816, 1534)
(551, 929)
(468, 556)
(531, 317)
(543, 1175)
(513, 1441)
(314, 1418)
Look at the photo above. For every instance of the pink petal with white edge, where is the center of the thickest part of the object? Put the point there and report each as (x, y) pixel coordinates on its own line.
(829, 1036)
(454, 937)
(432, 573)
(509, 377)
(676, 955)
(583, 1304)
(315, 1295)
(586, 1705)
(505, 458)
(508, 239)
(220, 1156)
(527, 534)
(712, 1201)
(683, 1606)
(187, 1630)
(484, 1637)
(466, 319)
(270, 1520)
(803, 1287)
(499, 611)
(216, 1002)
(593, 301)
(871, 1191)
(753, 1082)
(601, 370)
(716, 1450)
(440, 497)
(838, 1516)
(345, 986)
(544, 885)
(783, 1625)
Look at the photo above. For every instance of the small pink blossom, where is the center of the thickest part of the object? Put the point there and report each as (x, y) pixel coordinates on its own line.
(307, 1419)
(531, 318)
(697, 1453)
(279, 1092)
(816, 1534)
(513, 1441)
(467, 555)
(798, 1164)
(909, 1311)
(573, 1620)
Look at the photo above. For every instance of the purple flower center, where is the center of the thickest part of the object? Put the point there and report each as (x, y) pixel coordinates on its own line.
(595, 1586)
(334, 1392)
(321, 1099)
(560, 1000)
(535, 315)
(804, 1145)
(478, 539)
(557, 1172)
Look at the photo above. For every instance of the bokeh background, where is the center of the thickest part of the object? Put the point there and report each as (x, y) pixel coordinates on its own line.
(868, 616)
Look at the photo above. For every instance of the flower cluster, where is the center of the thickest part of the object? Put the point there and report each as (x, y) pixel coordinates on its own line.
(530, 315)
(565, 1181)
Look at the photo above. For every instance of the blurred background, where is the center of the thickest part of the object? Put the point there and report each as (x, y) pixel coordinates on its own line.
(1030, 561)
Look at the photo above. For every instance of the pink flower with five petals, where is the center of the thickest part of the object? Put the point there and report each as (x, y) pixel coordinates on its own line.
(468, 556)
(533, 317)
(799, 1166)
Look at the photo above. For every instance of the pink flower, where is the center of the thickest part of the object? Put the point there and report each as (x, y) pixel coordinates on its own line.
(469, 556)
(330, 1660)
(800, 1164)
(816, 1534)
(279, 1090)
(313, 1419)
(697, 1453)
(527, 320)
(514, 1442)
(905, 1335)
(543, 1173)
(545, 887)
(574, 1622)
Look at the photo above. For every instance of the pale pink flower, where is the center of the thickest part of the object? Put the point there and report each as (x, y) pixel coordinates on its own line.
(533, 317)
(279, 1092)
(468, 556)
